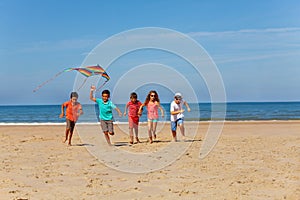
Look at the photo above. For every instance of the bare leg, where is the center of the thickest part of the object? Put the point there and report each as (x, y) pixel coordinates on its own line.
(181, 126)
(150, 131)
(174, 136)
(70, 138)
(136, 131)
(107, 138)
(131, 135)
(67, 134)
(154, 129)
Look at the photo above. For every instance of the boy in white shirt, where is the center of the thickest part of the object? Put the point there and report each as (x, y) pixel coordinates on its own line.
(177, 116)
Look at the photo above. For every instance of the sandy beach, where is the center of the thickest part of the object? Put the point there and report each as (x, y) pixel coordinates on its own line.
(251, 160)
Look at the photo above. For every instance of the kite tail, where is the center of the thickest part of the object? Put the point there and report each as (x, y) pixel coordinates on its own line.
(82, 84)
(101, 86)
(41, 85)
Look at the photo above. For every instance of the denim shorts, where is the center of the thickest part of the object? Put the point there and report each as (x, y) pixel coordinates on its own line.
(177, 122)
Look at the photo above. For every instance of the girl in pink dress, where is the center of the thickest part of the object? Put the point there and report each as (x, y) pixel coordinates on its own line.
(133, 117)
(152, 103)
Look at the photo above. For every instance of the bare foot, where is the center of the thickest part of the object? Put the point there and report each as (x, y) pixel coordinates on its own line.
(150, 140)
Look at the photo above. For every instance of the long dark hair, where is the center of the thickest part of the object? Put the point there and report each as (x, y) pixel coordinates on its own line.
(156, 98)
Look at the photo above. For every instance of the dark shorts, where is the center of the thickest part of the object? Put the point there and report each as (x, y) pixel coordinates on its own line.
(70, 125)
(177, 122)
(107, 126)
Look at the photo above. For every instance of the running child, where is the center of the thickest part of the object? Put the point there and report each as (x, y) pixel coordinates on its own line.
(105, 112)
(177, 117)
(73, 111)
(133, 117)
(153, 104)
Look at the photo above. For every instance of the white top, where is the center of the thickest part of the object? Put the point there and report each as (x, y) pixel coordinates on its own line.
(175, 107)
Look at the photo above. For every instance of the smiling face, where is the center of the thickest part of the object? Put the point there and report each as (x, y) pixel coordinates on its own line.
(105, 97)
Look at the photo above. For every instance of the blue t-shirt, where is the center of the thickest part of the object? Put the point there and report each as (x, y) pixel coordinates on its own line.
(105, 109)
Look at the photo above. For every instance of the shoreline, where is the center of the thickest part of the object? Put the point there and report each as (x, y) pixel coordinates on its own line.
(143, 123)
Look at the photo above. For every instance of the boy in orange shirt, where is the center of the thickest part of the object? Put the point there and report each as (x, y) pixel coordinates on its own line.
(73, 111)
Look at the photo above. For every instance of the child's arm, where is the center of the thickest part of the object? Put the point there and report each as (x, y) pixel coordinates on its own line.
(93, 88)
(62, 111)
(141, 109)
(80, 111)
(187, 106)
(126, 107)
(161, 110)
(176, 112)
(119, 111)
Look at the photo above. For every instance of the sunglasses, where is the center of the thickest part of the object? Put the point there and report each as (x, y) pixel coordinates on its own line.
(152, 95)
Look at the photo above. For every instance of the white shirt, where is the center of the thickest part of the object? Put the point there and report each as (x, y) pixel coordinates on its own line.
(175, 107)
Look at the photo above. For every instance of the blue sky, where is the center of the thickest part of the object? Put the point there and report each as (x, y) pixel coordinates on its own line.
(255, 44)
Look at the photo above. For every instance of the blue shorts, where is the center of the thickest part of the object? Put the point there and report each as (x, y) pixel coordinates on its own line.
(152, 120)
(177, 122)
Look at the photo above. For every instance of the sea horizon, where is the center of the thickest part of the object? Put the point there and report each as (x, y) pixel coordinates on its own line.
(235, 111)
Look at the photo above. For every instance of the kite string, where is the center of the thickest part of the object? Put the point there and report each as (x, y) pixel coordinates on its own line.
(101, 86)
(82, 84)
(44, 83)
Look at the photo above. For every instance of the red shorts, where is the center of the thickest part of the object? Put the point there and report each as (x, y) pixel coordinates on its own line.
(133, 121)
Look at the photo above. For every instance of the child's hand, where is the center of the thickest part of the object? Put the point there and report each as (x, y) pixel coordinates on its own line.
(124, 114)
(61, 115)
(93, 88)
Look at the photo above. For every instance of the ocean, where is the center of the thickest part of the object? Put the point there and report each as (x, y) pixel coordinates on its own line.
(246, 111)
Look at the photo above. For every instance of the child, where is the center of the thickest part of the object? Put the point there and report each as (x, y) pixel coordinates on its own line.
(177, 116)
(73, 111)
(105, 112)
(153, 104)
(133, 118)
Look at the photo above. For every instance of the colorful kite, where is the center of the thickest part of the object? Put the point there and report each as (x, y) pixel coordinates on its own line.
(86, 71)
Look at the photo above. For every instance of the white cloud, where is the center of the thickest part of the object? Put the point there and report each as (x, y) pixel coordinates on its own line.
(243, 31)
(250, 44)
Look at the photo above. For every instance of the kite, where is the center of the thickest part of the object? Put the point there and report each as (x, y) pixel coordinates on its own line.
(86, 71)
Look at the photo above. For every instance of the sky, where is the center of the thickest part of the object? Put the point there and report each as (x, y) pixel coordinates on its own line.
(254, 46)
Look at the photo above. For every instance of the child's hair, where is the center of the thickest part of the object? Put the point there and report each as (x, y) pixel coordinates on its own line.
(156, 98)
(73, 94)
(106, 92)
(133, 95)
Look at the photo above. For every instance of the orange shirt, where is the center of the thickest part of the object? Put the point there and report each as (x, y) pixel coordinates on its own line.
(72, 110)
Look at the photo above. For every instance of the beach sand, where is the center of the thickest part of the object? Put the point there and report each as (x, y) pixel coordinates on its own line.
(251, 160)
